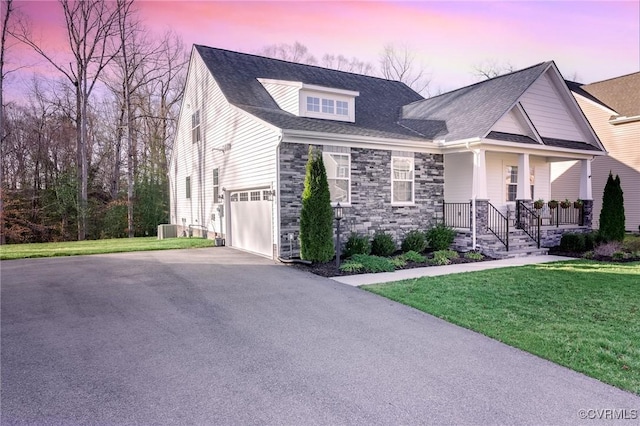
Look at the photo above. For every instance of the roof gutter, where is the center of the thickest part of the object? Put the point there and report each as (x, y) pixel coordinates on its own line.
(322, 138)
(623, 119)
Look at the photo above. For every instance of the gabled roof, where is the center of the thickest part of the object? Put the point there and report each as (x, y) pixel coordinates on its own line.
(377, 107)
(621, 94)
(471, 111)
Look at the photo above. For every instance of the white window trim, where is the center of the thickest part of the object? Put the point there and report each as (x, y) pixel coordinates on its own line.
(305, 112)
(413, 181)
(325, 153)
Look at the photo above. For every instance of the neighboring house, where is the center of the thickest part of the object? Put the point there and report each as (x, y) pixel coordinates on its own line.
(395, 160)
(613, 109)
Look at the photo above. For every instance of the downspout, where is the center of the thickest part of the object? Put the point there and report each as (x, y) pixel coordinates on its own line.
(277, 197)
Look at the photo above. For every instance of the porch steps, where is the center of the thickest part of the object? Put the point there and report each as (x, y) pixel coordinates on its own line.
(520, 245)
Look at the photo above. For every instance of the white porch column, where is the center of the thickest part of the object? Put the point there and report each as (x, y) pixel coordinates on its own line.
(524, 187)
(479, 184)
(585, 180)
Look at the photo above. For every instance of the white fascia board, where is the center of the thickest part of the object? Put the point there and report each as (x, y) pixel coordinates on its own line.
(357, 141)
(622, 119)
(323, 89)
(541, 150)
(297, 84)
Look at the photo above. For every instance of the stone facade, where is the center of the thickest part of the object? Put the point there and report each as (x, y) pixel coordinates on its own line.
(370, 209)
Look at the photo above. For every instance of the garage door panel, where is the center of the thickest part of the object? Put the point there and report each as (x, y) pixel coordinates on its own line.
(251, 219)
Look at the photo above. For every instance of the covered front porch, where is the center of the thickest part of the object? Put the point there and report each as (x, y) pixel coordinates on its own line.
(506, 196)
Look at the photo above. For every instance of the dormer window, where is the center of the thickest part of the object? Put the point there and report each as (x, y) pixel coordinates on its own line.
(313, 104)
(310, 100)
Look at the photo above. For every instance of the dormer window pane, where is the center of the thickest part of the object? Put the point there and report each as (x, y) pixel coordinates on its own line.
(313, 104)
(342, 108)
(327, 106)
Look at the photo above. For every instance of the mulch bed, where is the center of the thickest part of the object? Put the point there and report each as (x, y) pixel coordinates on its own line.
(329, 269)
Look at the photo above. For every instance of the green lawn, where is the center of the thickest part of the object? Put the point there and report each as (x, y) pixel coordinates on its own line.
(584, 315)
(75, 248)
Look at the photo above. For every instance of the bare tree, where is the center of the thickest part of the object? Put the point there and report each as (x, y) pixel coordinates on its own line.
(342, 63)
(3, 42)
(399, 63)
(491, 69)
(296, 52)
(90, 26)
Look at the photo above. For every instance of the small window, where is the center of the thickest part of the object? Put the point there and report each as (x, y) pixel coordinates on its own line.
(338, 168)
(512, 183)
(327, 106)
(266, 195)
(244, 196)
(187, 184)
(195, 127)
(402, 179)
(216, 187)
(255, 195)
(342, 108)
(234, 197)
(313, 104)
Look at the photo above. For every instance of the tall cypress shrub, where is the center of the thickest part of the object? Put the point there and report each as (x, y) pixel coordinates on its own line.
(612, 213)
(316, 217)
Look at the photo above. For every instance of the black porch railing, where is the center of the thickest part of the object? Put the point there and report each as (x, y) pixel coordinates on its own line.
(498, 225)
(529, 221)
(572, 215)
(457, 215)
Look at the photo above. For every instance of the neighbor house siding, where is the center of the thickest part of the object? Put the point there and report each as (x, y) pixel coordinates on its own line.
(621, 141)
(549, 113)
(370, 209)
(248, 160)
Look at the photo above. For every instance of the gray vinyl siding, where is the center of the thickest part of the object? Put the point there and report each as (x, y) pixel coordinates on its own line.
(549, 113)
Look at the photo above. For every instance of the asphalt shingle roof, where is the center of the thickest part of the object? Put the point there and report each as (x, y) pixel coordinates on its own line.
(376, 109)
(472, 110)
(622, 94)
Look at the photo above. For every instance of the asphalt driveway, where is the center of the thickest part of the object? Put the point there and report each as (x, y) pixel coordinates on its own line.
(216, 336)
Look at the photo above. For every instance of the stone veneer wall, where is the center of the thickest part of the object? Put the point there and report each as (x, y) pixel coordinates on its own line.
(371, 208)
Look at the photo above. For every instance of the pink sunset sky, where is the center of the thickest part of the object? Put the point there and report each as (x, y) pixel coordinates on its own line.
(594, 40)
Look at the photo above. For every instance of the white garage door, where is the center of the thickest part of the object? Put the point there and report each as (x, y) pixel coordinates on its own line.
(250, 216)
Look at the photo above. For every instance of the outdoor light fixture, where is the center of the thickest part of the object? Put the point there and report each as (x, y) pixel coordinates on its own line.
(338, 214)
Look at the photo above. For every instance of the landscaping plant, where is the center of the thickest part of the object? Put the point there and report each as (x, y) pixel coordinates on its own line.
(414, 256)
(612, 213)
(382, 244)
(357, 244)
(414, 241)
(373, 263)
(440, 237)
(316, 217)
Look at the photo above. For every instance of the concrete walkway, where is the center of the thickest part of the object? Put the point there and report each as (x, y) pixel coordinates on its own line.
(433, 271)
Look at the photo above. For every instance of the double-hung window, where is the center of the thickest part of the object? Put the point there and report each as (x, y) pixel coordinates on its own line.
(512, 182)
(337, 163)
(195, 127)
(402, 178)
(216, 187)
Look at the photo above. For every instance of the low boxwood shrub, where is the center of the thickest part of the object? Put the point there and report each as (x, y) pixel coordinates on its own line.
(373, 263)
(443, 257)
(573, 243)
(413, 256)
(399, 261)
(414, 241)
(473, 255)
(440, 237)
(357, 244)
(589, 241)
(351, 266)
(382, 244)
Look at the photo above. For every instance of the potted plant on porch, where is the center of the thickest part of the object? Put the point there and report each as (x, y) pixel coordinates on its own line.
(538, 204)
(565, 204)
(552, 204)
(578, 203)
